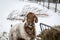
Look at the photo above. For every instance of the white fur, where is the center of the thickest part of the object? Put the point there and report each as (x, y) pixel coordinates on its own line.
(21, 32)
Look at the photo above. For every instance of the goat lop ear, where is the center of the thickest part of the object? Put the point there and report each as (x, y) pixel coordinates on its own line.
(35, 19)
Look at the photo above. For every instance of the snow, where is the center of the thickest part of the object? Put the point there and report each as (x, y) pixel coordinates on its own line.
(7, 6)
(51, 5)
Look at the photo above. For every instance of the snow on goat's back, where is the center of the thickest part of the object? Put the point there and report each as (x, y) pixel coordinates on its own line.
(21, 33)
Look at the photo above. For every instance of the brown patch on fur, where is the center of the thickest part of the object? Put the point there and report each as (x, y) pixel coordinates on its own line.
(30, 31)
(50, 34)
(29, 26)
(31, 17)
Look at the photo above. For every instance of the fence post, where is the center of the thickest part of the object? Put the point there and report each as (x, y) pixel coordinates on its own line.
(40, 1)
(56, 6)
(43, 3)
(48, 4)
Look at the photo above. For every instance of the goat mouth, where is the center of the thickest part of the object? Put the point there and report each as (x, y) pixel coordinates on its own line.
(31, 24)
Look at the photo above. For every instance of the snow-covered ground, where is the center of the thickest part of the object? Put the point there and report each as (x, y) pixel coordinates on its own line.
(7, 6)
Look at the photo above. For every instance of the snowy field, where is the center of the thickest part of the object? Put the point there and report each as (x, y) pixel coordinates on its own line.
(7, 6)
